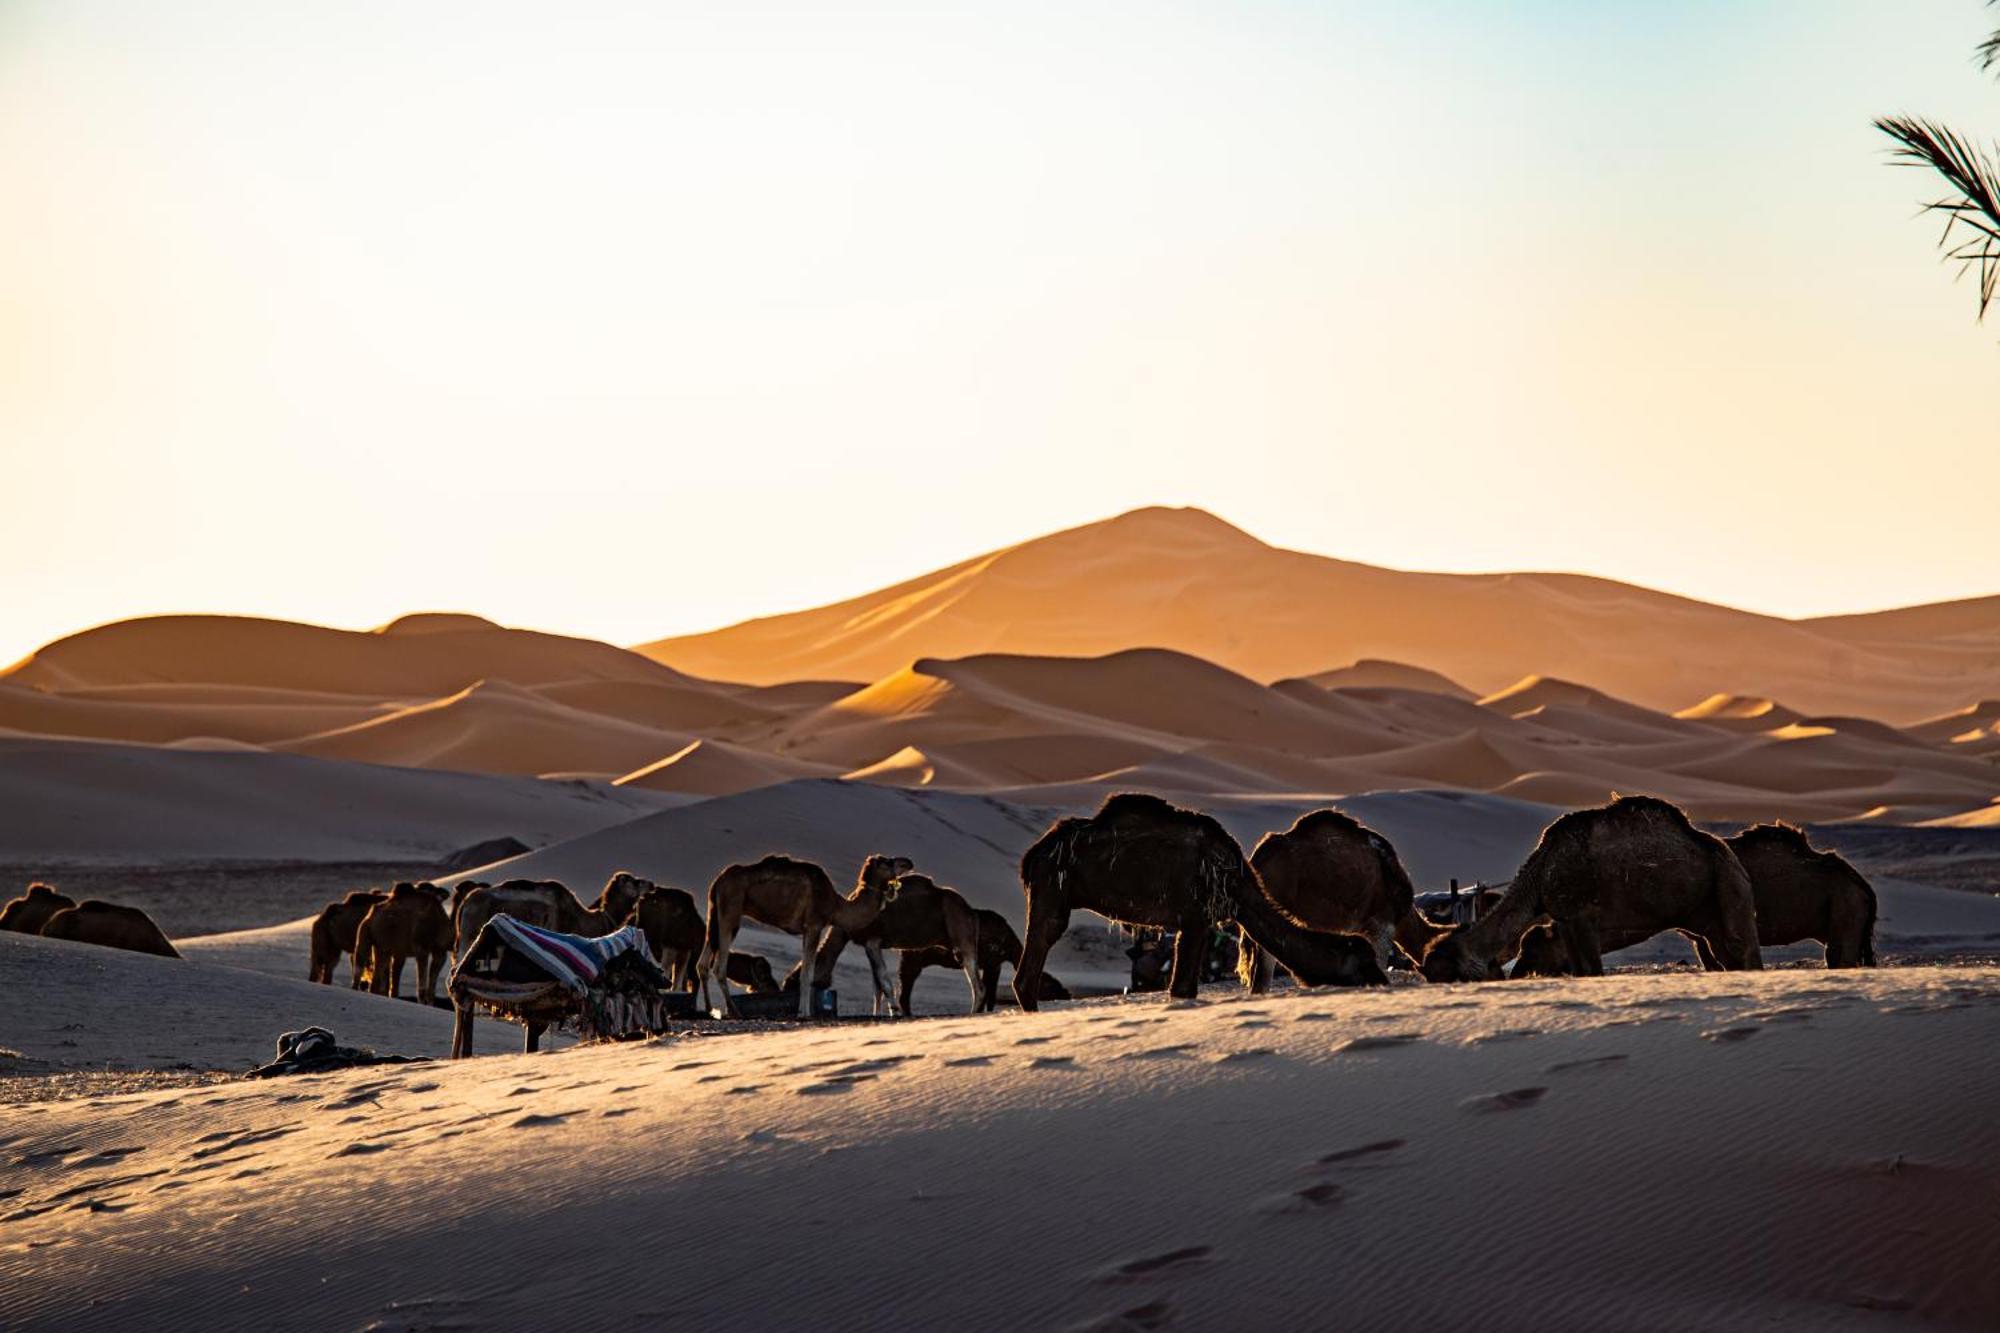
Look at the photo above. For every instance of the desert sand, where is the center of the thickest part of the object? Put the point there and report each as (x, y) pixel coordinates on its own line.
(1793, 1148)
(1788, 1149)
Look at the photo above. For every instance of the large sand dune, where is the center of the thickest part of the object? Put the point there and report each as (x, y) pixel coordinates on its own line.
(1184, 579)
(1785, 1149)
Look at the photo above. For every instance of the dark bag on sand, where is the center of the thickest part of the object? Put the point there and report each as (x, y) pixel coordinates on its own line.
(315, 1050)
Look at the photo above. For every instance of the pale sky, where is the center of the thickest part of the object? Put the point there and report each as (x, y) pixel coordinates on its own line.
(628, 320)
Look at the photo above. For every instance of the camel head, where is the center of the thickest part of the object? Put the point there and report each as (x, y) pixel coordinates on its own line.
(621, 893)
(1358, 964)
(1449, 960)
(880, 873)
(437, 891)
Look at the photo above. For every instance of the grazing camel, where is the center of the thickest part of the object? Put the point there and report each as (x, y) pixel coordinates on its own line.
(32, 910)
(752, 971)
(674, 931)
(795, 897)
(1801, 893)
(1144, 862)
(1334, 874)
(998, 944)
(1607, 878)
(923, 915)
(94, 921)
(1804, 893)
(409, 923)
(333, 932)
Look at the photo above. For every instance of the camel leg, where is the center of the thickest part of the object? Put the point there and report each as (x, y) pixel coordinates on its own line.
(909, 969)
(395, 976)
(878, 972)
(1256, 963)
(1045, 925)
(533, 1041)
(1704, 951)
(1384, 940)
(1579, 937)
(809, 937)
(461, 1032)
(1190, 948)
(715, 965)
(989, 988)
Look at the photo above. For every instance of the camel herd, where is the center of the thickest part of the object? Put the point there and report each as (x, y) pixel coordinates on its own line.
(1328, 900)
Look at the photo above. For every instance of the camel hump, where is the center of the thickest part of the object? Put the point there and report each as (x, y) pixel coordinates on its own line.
(1137, 805)
(1331, 822)
(1774, 836)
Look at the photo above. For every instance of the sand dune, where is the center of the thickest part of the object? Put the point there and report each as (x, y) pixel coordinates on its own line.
(1185, 580)
(1338, 1135)
(436, 657)
(716, 768)
(1375, 674)
(495, 727)
(90, 801)
(1740, 712)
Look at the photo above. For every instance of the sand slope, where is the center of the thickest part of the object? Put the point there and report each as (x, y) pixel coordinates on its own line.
(90, 801)
(1742, 1152)
(1186, 580)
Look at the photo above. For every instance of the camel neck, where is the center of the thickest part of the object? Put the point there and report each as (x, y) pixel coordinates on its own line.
(1497, 935)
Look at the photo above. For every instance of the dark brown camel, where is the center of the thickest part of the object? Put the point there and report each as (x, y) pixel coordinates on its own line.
(32, 910)
(1608, 878)
(1144, 862)
(94, 921)
(674, 931)
(333, 932)
(410, 923)
(1334, 874)
(1802, 893)
(546, 903)
(795, 897)
(998, 944)
(923, 915)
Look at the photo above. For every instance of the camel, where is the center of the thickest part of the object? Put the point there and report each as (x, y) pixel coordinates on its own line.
(1804, 893)
(674, 931)
(616, 900)
(923, 915)
(997, 944)
(32, 910)
(333, 932)
(94, 921)
(546, 903)
(1334, 874)
(795, 897)
(408, 923)
(1144, 862)
(1801, 893)
(1607, 878)
(752, 971)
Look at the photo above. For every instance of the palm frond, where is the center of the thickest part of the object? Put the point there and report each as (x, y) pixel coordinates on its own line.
(1989, 50)
(1972, 209)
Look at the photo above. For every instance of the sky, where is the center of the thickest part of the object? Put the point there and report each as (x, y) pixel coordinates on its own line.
(636, 319)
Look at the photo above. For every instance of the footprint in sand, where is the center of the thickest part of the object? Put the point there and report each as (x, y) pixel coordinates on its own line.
(1504, 1034)
(743, 1089)
(1256, 1023)
(360, 1149)
(1173, 1261)
(537, 1121)
(1311, 1199)
(1177, 1051)
(968, 1061)
(1366, 1150)
(617, 1111)
(1033, 1041)
(1247, 1053)
(1313, 1016)
(1143, 1318)
(1382, 1043)
(1594, 1062)
(1053, 1062)
(1512, 1100)
(1729, 1034)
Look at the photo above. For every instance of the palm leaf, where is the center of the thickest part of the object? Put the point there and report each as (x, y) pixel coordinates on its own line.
(1972, 209)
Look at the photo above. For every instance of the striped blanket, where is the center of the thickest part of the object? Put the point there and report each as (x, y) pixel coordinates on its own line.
(575, 961)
